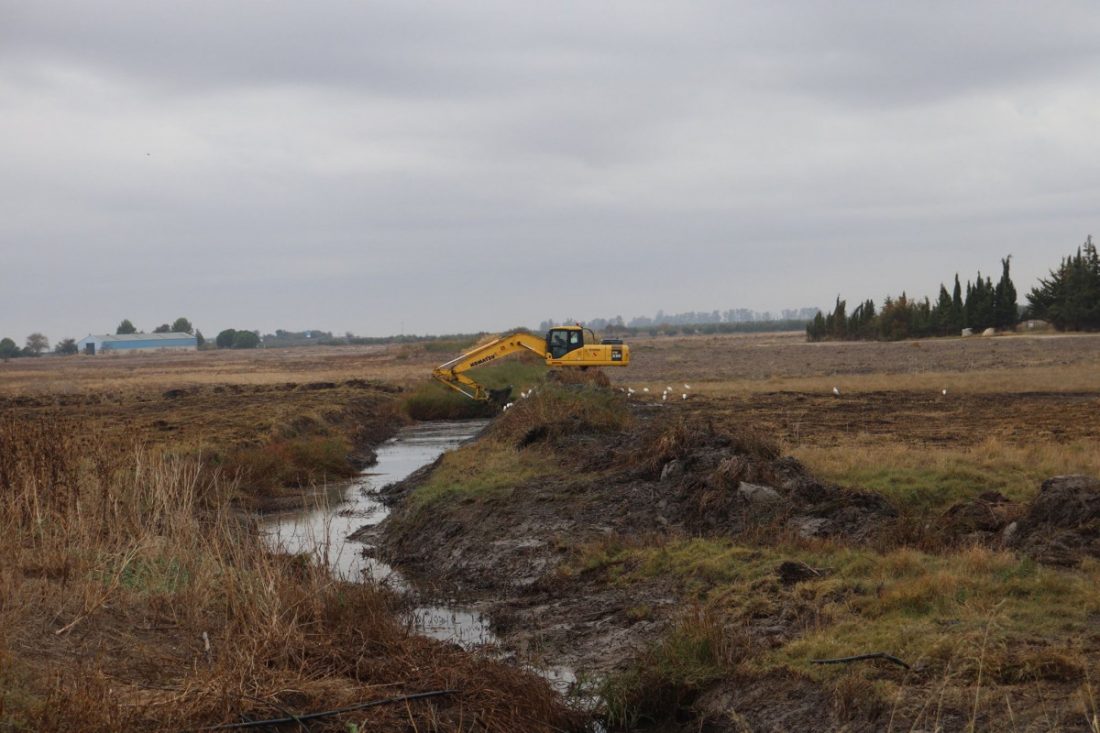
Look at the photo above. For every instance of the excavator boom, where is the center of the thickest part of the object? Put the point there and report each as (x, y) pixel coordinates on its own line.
(564, 346)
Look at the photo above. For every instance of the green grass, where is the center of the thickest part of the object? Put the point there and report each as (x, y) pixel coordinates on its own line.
(963, 610)
(482, 471)
(508, 457)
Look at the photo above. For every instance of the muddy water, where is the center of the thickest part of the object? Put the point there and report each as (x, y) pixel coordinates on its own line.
(322, 531)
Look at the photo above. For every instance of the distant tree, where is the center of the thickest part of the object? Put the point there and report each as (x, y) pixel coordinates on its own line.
(1005, 308)
(66, 347)
(862, 323)
(199, 338)
(162, 328)
(37, 343)
(895, 319)
(226, 338)
(125, 327)
(9, 349)
(182, 325)
(958, 312)
(979, 304)
(815, 330)
(246, 340)
(1070, 297)
(942, 314)
(837, 322)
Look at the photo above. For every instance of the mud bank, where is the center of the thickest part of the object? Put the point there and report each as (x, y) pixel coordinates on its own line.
(619, 541)
(515, 552)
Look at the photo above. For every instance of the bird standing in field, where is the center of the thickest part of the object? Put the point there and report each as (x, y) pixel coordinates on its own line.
(836, 392)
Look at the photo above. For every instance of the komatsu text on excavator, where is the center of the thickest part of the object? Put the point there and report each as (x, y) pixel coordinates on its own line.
(563, 346)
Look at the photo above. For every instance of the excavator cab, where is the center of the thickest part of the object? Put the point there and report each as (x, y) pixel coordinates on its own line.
(560, 341)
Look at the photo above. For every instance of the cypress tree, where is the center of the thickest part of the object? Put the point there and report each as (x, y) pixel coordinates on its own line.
(839, 325)
(815, 330)
(1005, 308)
(958, 315)
(941, 313)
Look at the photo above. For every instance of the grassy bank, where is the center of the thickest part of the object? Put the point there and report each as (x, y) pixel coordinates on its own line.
(520, 445)
(134, 599)
(961, 620)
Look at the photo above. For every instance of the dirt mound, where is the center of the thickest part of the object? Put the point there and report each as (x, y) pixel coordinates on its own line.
(628, 472)
(1060, 526)
(713, 481)
(981, 521)
(1062, 523)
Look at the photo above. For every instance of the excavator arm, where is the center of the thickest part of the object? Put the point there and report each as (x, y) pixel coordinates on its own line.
(453, 373)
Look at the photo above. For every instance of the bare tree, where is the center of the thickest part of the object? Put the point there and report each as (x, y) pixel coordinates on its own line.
(37, 343)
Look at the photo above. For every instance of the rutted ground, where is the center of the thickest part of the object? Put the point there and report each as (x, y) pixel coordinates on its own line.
(679, 557)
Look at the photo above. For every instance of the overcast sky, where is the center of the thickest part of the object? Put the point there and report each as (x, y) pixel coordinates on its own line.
(437, 167)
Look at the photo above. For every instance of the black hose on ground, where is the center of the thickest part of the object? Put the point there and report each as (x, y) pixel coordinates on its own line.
(327, 713)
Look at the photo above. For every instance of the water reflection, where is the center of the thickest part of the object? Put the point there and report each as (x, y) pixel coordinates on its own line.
(322, 530)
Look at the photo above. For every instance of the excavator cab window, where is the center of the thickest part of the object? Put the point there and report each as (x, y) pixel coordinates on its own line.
(561, 341)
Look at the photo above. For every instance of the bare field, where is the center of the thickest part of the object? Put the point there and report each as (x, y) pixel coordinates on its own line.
(712, 364)
(772, 362)
(168, 370)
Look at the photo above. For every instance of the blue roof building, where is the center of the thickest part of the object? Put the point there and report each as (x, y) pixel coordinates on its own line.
(133, 342)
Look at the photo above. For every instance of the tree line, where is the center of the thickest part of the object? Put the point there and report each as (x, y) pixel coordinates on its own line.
(1069, 299)
(230, 338)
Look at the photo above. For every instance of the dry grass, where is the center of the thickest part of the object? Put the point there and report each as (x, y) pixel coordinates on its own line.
(919, 478)
(116, 567)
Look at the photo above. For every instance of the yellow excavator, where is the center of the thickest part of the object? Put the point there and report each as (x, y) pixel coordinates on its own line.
(563, 346)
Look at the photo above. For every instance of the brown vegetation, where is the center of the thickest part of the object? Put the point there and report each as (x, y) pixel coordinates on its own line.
(673, 586)
(133, 599)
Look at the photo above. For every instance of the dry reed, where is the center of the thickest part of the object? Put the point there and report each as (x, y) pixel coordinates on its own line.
(132, 598)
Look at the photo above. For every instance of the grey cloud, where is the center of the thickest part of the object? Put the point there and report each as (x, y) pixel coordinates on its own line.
(458, 166)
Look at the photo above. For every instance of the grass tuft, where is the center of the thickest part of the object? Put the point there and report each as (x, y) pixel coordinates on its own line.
(666, 679)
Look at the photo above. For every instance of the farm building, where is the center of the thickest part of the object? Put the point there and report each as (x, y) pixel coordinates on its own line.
(132, 342)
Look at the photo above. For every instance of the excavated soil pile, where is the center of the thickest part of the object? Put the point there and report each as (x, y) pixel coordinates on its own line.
(661, 472)
(1060, 526)
(714, 482)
